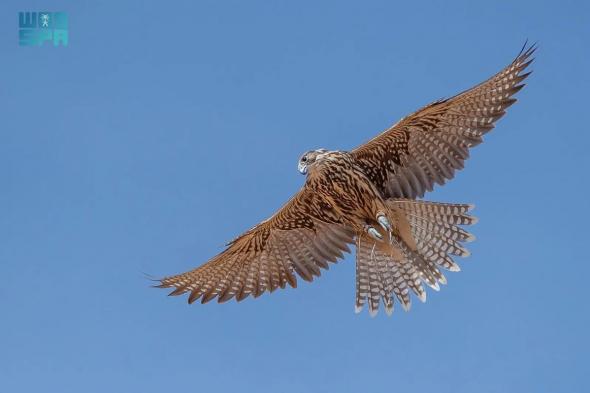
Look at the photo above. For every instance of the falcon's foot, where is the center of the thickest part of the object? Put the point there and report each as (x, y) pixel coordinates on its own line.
(373, 232)
(384, 222)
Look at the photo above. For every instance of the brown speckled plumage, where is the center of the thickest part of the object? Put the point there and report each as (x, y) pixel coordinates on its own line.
(366, 197)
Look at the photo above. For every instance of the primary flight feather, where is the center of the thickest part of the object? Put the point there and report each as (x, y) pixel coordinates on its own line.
(366, 198)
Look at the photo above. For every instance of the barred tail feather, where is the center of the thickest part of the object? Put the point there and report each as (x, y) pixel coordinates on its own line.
(388, 271)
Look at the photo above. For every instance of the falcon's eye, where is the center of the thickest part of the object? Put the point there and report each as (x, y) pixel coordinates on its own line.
(303, 159)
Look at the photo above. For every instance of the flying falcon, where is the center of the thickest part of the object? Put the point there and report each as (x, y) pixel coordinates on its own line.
(367, 197)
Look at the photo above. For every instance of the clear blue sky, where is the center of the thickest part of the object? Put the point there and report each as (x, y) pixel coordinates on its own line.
(162, 131)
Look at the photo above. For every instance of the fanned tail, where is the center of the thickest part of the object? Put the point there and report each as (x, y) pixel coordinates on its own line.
(423, 236)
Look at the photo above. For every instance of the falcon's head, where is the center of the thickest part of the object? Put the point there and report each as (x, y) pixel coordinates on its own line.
(308, 159)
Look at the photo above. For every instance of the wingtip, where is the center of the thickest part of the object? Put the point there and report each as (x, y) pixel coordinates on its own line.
(153, 279)
(527, 49)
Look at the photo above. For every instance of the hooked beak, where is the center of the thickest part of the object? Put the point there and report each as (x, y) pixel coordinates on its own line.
(302, 168)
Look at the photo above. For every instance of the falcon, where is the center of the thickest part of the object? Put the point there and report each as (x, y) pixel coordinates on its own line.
(367, 197)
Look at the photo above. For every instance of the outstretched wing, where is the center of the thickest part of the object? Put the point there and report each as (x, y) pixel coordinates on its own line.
(428, 146)
(302, 237)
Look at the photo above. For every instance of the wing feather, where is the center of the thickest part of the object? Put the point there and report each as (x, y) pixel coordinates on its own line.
(430, 145)
(301, 238)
